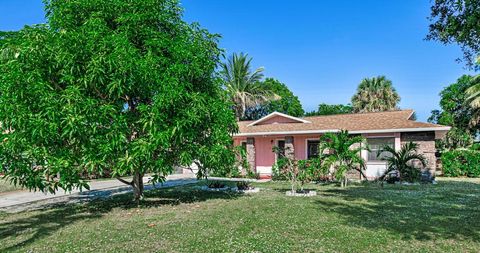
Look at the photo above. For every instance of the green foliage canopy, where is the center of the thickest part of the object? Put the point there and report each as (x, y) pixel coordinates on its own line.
(326, 109)
(375, 95)
(457, 21)
(461, 163)
(244, 87)
(285, 101)
(111, 84)
(456, 112)
(288, 102)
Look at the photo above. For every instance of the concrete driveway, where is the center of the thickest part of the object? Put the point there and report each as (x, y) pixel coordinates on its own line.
(18, 201)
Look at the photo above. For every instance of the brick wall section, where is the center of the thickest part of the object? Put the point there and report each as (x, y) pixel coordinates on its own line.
(354, 174)
(426, 146)
(251, 154)
(289, 147)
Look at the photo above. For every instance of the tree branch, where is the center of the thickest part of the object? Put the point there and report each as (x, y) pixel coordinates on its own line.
(124, 181)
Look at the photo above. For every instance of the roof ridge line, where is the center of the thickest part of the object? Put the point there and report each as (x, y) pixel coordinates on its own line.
(358, 113)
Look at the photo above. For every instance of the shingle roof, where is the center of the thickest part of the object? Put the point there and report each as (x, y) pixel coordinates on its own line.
(358, 122)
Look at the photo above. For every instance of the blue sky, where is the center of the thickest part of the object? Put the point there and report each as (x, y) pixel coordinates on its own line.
(320, 49)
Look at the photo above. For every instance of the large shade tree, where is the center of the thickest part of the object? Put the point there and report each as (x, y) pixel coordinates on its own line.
(457, 21)
(285, 102)
(244, 86)
(457, 112)
(375, 95)
(473, 98)
(111, 84)
(327, 109)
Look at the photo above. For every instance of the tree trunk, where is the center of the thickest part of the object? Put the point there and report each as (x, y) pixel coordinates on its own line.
(137, 185)
(362, 175)
(343, 182)
(244, 108)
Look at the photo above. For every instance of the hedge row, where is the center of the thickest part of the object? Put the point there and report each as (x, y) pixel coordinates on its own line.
(457, 163)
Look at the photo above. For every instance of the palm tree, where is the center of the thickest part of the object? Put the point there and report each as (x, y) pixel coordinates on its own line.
(375, 95)
(342, 152)
(473, 92)
(474, 100)
(402, 161)
(243, 86)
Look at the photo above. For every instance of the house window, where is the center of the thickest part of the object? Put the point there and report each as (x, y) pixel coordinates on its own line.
(312, 148)
(281, 148)
(376, 144)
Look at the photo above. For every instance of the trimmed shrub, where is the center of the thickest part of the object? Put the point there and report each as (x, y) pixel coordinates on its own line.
(458, 163)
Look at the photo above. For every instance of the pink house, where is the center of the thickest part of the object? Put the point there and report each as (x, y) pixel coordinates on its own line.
(301, 136)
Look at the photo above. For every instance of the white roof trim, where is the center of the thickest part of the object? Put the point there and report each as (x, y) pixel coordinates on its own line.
(273, 114)
(419, 129)
(288, 132)
(410, 115)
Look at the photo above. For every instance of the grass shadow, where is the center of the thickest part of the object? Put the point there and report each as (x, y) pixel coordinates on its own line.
(449, 210)
(41, 223)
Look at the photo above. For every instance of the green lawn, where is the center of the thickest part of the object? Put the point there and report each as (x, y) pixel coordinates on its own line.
(425, 218)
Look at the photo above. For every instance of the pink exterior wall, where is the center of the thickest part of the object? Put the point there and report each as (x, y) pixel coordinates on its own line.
(300, 142)
(237, 141)
(278, 120)
(264, 155)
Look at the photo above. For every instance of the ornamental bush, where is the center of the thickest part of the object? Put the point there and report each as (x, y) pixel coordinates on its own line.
(457, 163)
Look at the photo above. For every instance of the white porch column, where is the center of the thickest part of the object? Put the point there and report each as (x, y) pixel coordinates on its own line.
(398, 142)
(289, 147)
(251, 153)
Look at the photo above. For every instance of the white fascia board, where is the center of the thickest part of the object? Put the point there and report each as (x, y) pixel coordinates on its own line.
(273, 114)
(417, 129)
(446, 128)
(288, 132)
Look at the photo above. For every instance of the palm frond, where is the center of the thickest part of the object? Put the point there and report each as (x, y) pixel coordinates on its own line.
(375, 94)
(473, 93)
(244, 86)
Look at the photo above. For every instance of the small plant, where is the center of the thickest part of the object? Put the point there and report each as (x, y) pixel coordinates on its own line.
(244, 185)
(341, 152)
(298, 172)
(242, 168)
(305, 172)
(253, 175)
(216, 185)
(401, 164)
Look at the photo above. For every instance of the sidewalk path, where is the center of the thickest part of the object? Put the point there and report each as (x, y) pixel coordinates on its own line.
(18, 201)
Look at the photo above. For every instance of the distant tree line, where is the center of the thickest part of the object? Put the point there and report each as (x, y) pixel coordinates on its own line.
(253, 97)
